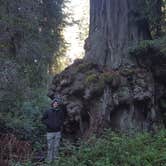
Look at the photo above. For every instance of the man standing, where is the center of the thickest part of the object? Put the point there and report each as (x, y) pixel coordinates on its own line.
(53, 119)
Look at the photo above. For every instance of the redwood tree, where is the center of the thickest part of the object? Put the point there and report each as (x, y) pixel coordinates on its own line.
(115, 25)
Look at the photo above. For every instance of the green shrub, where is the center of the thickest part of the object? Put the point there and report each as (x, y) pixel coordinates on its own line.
(144, 48)
(25, 123)
(149, 48)
(119, 150)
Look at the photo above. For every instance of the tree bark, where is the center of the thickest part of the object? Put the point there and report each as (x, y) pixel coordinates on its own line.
(114, 27)
(159, 17)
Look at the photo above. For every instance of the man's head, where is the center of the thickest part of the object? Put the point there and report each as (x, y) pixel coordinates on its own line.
(56, 102)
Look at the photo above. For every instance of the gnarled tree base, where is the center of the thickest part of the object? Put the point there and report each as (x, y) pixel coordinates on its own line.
(96, 97)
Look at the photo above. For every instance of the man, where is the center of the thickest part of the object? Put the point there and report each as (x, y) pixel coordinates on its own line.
(53, 119)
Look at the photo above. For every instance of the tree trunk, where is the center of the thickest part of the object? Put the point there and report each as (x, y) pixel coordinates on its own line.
(159, 17)
(114, 27)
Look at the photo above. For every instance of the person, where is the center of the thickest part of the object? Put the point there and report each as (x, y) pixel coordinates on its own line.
(53, 119)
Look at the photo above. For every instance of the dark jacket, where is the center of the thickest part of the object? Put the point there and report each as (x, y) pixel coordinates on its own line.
(53, 119)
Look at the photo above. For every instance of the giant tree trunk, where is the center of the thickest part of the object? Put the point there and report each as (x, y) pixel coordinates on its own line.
(126, 99)
(114, 27)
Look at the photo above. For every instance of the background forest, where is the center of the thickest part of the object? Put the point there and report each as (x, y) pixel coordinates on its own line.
(31, 41)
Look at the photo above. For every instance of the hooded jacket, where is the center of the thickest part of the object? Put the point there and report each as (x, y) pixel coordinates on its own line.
(54, 118)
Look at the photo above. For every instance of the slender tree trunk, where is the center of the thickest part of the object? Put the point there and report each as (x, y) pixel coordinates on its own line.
(159, 17)
(114, 27)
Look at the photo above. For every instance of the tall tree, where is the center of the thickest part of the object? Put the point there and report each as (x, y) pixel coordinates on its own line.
(115, 25)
